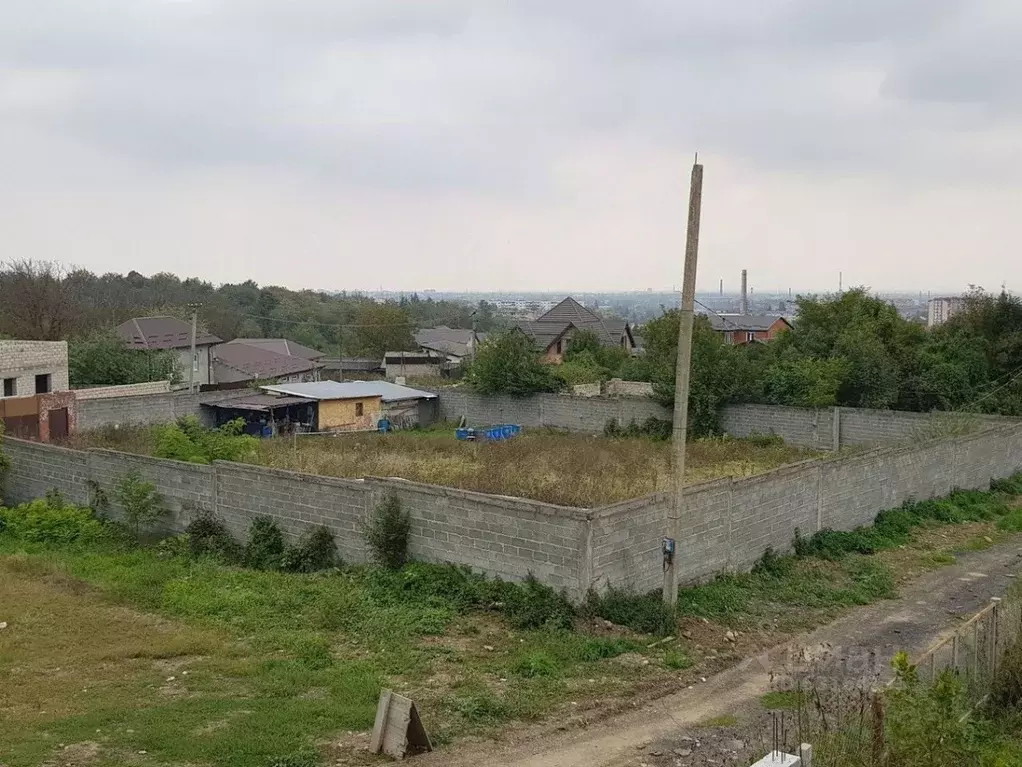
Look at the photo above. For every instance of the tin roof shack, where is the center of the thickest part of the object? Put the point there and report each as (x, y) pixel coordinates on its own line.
(266, 415)
(423, 364)
(402, 406)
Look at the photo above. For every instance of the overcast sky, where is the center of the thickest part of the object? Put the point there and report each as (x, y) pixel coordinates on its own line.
(521, 144)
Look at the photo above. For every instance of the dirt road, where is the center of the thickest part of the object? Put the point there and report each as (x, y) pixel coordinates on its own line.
(665, 732)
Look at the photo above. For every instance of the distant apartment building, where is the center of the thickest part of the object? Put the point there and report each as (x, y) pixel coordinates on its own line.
(940, 310)
(521, 309)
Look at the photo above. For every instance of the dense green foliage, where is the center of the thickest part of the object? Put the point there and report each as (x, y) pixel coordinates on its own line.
(587, 360)
(507, 363)
(51, 521)
(892, 528)
(925, 724)
(42, 301)
(102, 359)
(851, 350)
(188, 440)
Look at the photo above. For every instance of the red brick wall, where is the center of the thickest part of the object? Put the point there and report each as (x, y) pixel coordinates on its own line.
(55, 401)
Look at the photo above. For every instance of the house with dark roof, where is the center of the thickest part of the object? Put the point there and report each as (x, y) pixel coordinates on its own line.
(170, 333)
(552, 332)
(748, 328)
(236, 361)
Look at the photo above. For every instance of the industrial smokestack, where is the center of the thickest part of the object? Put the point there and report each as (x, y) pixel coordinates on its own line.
(722, 286)
(744, 308)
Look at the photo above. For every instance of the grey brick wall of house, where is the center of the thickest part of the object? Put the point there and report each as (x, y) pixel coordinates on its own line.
(728, 522)
(22, 361)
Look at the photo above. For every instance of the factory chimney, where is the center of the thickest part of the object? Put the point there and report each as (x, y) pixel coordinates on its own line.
(744, 307)
(722, 286)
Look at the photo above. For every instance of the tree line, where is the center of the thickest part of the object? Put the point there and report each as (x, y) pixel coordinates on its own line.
(851, 350)
(42, 300)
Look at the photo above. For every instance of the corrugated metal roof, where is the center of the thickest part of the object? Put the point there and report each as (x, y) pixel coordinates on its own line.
(162, 333)
(260, 402)
(280, 346)
(257, 362)
(326, 390)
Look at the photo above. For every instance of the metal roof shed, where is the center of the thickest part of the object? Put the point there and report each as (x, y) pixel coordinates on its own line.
(330, 390)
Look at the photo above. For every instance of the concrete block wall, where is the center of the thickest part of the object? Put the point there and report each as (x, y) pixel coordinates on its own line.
(507, 537)
(582, 414)
(24, 360)
(37, 468)
(146, 409)
(187, 488)
(729, 523)
(127, 390)
(297, 502)
(805, 428)
(851, 427)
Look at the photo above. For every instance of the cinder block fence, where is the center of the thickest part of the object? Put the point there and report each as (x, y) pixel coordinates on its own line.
(729, 521)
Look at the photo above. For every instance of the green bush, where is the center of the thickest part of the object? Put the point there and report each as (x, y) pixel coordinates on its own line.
(208, 537)
(188, 440)
(141, 504)
(40, 522)
(5, 464)
(894, 527)
(536, 664)
(526, 605)
(645, 613)
(772, 564)
(601, 648)
(1008, 486)
(677, 660)
(387, 531)
(533, 605)
(265, 547)
(653, 428)
(765, 440)
(317, 551)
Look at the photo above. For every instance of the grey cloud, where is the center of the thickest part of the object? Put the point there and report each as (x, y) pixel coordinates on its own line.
(462, 94)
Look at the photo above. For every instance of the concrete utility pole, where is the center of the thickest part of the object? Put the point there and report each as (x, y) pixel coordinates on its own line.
(195, 362)
(340, 353)
(681, 385)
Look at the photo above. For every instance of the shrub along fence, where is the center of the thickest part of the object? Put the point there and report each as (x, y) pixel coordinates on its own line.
(729, 522)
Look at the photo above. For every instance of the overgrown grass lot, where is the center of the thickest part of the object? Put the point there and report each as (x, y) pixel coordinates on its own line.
(204, 650)
(560, 468)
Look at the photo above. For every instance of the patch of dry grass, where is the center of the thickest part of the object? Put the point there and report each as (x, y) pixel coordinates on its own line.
(565, 469)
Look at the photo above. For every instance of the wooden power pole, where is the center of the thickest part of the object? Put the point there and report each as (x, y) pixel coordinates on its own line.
(681, 386)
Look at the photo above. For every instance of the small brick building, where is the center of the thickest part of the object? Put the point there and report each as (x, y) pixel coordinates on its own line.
(35, 401)
(748, 328)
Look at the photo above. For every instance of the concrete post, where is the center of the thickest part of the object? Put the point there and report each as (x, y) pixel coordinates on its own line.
(681, 381)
